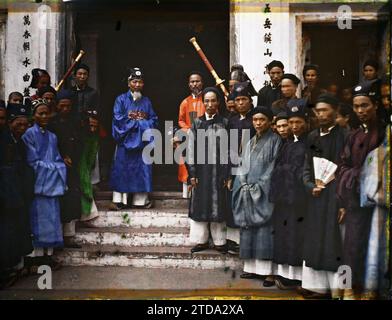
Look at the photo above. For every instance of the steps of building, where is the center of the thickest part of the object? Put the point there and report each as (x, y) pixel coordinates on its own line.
(141, 218)
(147, 257)
(127, 236)
(161, 200)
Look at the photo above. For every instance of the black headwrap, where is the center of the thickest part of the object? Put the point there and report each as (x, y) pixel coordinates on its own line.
(36, 74)
(275, 63)
(82, 66)
(45, 89)
(135, 73)
(371, 62)
(16, 110)
(297, 108)
(264, 110)
(242, 89)
(310, 67)
(292, 77)
(329, 99)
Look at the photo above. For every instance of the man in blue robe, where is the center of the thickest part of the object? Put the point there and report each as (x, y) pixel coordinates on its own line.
(50, 183)
(132, 116)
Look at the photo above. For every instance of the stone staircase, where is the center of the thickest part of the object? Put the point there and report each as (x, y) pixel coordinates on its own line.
(143, 238)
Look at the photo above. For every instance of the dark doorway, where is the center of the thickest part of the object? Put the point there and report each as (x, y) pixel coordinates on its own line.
(153, 35)
(340, 54)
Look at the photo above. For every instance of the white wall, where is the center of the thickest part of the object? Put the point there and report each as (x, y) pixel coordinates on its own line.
(247, 42)
(45, 43)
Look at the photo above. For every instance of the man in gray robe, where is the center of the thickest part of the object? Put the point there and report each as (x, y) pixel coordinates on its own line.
(251, 208)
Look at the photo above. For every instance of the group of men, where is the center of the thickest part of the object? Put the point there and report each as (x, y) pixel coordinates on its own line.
(306, 205)
(298, 191)
(48, 164)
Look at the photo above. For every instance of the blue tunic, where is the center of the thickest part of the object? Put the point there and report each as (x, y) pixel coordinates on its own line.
(50, 183)
(129, 172)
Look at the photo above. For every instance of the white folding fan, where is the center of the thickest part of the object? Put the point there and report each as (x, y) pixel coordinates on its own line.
(324, 171)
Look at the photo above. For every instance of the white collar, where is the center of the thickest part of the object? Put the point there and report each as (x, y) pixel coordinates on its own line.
(325, 133)
(208, 117)
(295, 138)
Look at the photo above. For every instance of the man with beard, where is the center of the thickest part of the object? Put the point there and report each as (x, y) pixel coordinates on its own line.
(208, 175)
(132, 116)
(271, 92)
(289, 87)
(323, 241)
(16, 194)
(191, 108)
(290, 199)
(251, 208)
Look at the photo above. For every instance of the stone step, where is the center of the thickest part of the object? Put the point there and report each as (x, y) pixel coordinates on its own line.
(143, 218)
(130, 237)
(107, 195)
(159, 203)
(147, 257)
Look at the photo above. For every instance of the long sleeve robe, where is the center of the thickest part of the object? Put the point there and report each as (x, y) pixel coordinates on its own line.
(190, 109)
(374, 193)
(358, 219)
(16, 194)
(50, 183)
(70, 145)
(268, 95)
(130, 174)
(207, 202)
(239, 124)
(290, 199)
(250, 204)
(323, 241)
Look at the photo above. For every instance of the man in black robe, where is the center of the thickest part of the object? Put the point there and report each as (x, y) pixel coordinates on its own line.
(208, 175)
(323, 240)
(67, 129)
(240, 124)
(87, 99)
(359, 144)
(289, 86)
(290, 199)
(16, 194)
(271, 92)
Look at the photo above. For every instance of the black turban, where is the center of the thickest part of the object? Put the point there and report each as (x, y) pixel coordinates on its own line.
(329, 99)
(292, 77)
(275, 63)
(16, 110)
(264, 110)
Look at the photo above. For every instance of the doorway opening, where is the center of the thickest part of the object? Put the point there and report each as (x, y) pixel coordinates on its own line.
(155, 37)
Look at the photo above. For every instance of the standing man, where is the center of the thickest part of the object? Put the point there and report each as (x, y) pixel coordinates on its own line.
(87, 99)
(132, 116)
(323, 241)
(271, 92)
(50, 184)
(16, 194)
(359, 144)
(240, 122)
(251, 208)
(208, 179)
(67, 130)
(191, 107)
(289, 87)
(290, 200)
